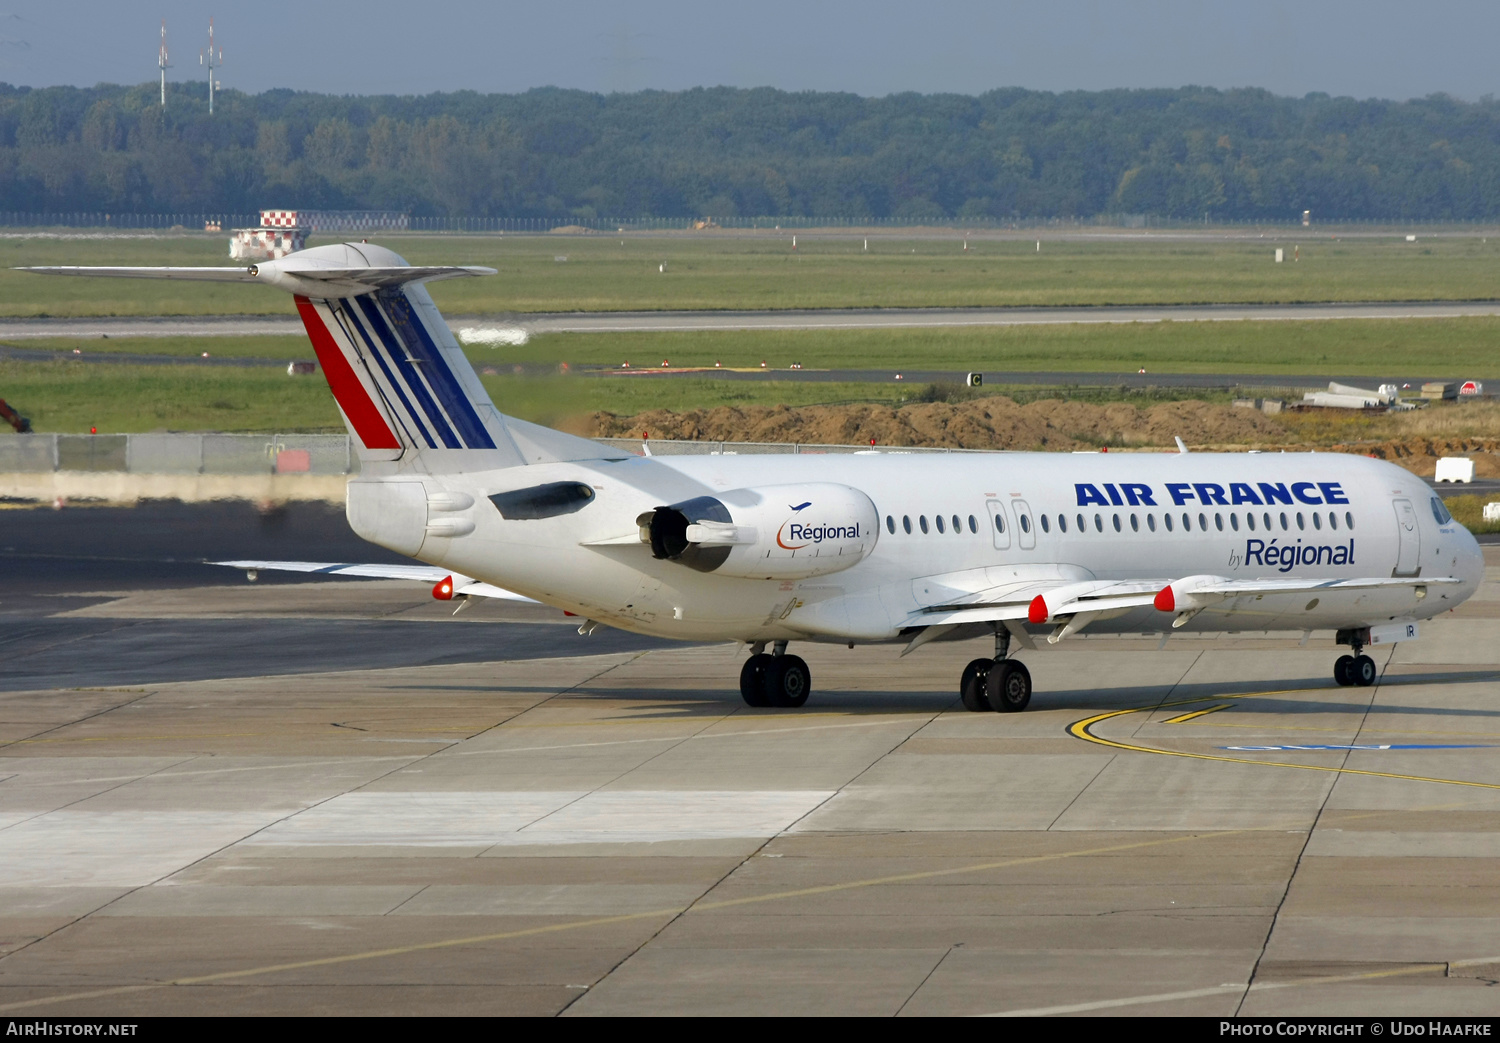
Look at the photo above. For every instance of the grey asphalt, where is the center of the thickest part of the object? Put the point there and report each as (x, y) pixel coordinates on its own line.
(869, 318)
(55, 562)
(361, 805)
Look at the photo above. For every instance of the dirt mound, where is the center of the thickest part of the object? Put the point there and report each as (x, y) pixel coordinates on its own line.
(1420, 455)
(987, 423)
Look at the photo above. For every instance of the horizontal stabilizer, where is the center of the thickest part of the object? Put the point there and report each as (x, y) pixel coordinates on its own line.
(416, 573)
(189, 274)
(306, 275)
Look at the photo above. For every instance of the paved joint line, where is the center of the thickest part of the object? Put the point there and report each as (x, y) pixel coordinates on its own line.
(1291, 878)
(604, 921)
(1217, 990)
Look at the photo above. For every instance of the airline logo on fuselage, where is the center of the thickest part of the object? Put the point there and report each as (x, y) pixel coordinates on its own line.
(813, 534)
(1210, 494)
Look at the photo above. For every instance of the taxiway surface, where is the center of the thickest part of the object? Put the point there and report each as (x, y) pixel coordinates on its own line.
(583, 829)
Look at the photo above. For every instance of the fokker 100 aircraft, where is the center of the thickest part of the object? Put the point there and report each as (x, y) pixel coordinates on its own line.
(854, 549)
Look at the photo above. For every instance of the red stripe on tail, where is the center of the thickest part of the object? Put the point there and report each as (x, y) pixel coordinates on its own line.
(369, 425)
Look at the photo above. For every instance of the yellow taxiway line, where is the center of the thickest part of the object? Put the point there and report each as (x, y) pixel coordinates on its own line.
(1084, 730)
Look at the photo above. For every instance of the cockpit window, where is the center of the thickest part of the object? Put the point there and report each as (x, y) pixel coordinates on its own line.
(1440, 512)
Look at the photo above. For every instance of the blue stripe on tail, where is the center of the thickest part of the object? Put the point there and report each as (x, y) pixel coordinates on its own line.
(455, 401)
(350, 306)
(397, 352)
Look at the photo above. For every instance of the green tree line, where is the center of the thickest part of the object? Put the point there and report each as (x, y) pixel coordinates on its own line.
(1181, 153)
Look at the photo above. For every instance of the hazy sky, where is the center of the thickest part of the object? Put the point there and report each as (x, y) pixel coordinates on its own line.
(1365, 48)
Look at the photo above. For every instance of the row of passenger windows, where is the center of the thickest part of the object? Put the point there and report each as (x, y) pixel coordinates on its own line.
(1266, 522)
(942, 526)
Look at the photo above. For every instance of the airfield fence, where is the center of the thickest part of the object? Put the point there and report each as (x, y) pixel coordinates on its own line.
(291, 453)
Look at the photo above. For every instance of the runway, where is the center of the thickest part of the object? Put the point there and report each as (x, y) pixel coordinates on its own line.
(703, 321)
(524, 821)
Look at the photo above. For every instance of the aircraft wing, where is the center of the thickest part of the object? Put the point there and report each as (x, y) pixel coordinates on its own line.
(1194, 593)
(1042, 602)
(1070, 606)
(458, 585)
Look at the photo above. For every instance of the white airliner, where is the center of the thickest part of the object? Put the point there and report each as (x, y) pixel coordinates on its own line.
(855, 549)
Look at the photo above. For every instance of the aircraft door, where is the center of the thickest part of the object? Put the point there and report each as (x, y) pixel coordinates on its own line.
(1025, 524)
(1409, 558)
(999, 524)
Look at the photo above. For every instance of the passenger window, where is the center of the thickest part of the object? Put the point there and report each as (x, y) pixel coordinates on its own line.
(1234, 522)
(1284, 525)
(1135, 524)
(890, 524)
(1098, 523)
(1026, 523)
(1300, 525)
(956, 526)
(1202, 522)
(1062, 523)
(1117, 523)
(1218, 522)
(1151, 522)
(1266, 517)
(939, 520)
(1083, 526)
(1166, 519)
(999, 523)
(906, 523)
(1250, 521)
(1045, 526)
(973, 525)
(1349, 520)
(922, 521)
(1333, 520)
(1317, 520)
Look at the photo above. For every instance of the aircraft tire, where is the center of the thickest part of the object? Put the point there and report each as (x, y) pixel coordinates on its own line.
(753, 680)
(787, 681)
(1008, 686)
(1363, 671)
(971, 686)
(1341, 673)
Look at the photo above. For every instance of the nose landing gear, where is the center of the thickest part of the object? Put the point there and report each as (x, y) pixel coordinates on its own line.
(996, 684)
(1357, 669)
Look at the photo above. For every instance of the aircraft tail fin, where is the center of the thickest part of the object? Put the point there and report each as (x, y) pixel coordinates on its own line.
(403, 384)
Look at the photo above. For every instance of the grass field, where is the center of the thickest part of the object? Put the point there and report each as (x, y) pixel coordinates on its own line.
(1457, 348)
(71, 397)
(1468, 347)
(762, 271)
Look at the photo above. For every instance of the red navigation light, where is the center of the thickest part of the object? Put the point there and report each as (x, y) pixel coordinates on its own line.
(1165, 601)
(443, 589)
(1037, 613)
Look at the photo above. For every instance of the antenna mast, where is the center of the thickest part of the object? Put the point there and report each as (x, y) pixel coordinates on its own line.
(161, 62)
(210, 61)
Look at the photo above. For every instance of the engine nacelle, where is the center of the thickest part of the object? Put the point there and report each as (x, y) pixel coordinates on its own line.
(769, 532)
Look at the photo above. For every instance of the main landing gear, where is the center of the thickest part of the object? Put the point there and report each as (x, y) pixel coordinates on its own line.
(777, 679)
(1357, 669)
(996, 684)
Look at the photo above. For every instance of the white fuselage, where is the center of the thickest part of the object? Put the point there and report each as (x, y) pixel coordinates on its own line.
(1063, 517)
